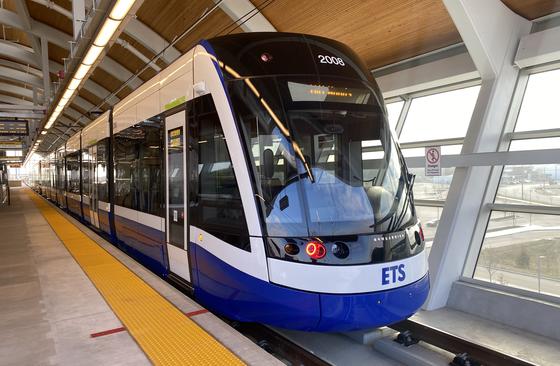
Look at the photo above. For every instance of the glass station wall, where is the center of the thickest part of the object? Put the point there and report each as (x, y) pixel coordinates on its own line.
(521, 246)
(437, 119)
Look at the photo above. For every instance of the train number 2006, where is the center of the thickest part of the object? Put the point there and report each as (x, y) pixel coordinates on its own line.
(331, 60)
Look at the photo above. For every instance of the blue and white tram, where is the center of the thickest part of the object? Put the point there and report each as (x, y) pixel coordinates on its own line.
(258, 169)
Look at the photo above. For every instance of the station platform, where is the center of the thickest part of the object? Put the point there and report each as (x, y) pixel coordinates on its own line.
(68, 297)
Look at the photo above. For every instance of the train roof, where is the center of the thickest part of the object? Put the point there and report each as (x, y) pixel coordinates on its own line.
(278, 53)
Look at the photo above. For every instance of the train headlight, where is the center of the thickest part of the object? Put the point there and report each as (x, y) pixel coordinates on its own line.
(340, 250)
(291, 249)
(315, 250)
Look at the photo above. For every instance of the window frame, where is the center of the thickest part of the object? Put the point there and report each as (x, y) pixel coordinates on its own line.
(508, 136)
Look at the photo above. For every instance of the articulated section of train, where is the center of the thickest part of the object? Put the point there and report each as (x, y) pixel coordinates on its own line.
(258, 169)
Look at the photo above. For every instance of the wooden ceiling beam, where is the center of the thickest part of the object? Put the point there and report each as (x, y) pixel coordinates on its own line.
(135, 29)
(20, 76)
(13, 100)
(16, 90)
(62, 39)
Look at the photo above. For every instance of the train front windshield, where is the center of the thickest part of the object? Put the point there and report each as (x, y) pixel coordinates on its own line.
(324, 159)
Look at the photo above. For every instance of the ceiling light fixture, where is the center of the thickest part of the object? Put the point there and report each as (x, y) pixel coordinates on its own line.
(107, 31)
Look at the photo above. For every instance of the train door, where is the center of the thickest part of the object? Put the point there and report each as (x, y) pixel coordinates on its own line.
(93, 196)
(176, 189)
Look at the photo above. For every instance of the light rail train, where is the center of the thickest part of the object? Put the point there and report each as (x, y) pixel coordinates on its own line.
(260, 171)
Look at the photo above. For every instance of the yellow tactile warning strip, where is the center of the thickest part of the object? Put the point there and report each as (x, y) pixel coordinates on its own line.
(165, 334)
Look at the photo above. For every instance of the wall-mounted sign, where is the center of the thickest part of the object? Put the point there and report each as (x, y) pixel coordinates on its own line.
(14, 128)
(433, 161)
(11, 145)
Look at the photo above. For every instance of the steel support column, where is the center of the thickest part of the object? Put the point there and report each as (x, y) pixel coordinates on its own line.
(45, 69)
(491, 33)
(78, 16)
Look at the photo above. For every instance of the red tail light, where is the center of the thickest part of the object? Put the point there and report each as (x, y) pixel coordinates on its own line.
(315, 250)
(421, 232)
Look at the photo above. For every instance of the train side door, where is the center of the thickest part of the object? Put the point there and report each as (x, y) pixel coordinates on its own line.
(94, 199)
(176, 189)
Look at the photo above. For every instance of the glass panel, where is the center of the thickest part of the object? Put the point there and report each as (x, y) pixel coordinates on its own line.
(535, 144)
(429, 216)
(150, 167)
(176, 186)
(540, 108)
(73, 172)
(86, 160)
(432, 188)
(138, 166)
(522, 250)
(215, 201)
(394, 111)
(126, 168)
(102, 159)
(530, 185)
(440, 116)
(421, 151)
(323, 167)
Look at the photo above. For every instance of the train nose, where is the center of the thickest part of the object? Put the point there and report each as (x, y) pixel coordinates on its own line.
(341, 313)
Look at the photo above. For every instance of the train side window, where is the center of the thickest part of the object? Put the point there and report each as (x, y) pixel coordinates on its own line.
(150, 167)
(125, 155)
(73, 172)
(85, 172)
(102, 165)
(138, 167)
(214, 199)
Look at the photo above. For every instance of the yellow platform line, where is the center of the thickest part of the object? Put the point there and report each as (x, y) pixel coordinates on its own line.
(166, 335)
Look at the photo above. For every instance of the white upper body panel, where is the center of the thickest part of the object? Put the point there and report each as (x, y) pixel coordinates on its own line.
(174, 84)
(73, 143)
(348, 279)
(96, 131)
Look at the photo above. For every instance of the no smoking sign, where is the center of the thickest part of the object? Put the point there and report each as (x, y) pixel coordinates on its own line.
(433, 161)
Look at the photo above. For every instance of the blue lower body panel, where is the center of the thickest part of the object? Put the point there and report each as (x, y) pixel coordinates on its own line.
(87, 217)
(74, 206)
(142, 242)
(104, 223)
(236, 295)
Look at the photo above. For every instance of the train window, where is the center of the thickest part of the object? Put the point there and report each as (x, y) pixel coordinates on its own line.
(102, 164)
(126, 159)
(150, 167)
(86, 172)
(215, 202)
(138, 166)
(73, 172)
(265, 141)
(60, 171)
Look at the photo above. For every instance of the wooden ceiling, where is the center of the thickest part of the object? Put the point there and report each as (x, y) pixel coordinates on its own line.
(533, 9)
(382, 32)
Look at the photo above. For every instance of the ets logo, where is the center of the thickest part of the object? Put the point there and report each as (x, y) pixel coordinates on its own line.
(392, 274)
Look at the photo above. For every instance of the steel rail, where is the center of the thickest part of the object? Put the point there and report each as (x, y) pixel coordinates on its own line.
(455, 344)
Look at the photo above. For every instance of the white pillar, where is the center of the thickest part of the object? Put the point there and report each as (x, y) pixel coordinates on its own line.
(244, 12)
(491, 32)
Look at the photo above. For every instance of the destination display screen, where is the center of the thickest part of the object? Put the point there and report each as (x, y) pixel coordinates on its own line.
(14, 128)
